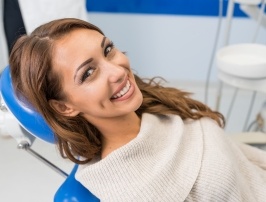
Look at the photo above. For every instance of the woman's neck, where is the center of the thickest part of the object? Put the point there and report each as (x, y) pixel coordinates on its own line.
(119, 132)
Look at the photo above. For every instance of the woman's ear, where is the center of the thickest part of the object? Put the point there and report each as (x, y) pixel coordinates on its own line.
(63, 108)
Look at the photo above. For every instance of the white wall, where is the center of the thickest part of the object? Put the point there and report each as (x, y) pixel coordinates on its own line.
(174, 47)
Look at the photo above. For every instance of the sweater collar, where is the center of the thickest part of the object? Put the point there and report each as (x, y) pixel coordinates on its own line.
(165, 155)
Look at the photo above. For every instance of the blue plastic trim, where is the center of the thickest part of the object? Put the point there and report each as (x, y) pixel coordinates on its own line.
(29, 119)
(167, 7)
(72, 191)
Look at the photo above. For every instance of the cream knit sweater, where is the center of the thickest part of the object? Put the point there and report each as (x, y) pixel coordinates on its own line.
(173, 160)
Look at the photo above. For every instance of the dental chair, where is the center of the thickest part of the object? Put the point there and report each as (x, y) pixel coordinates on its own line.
(26, 124)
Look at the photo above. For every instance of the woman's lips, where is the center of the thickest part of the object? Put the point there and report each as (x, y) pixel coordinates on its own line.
(124, 93)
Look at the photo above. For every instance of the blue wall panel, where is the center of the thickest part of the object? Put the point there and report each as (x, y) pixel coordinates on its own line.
(167, 7)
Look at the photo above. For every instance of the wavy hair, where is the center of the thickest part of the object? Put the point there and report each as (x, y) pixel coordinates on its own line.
(34, 79)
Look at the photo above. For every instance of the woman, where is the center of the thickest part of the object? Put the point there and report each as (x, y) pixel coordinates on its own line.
(134, 140)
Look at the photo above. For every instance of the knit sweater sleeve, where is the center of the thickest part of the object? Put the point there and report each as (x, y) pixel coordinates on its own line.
(228, 172)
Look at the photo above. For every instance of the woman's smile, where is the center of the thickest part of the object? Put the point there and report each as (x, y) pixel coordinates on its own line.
(125, 93)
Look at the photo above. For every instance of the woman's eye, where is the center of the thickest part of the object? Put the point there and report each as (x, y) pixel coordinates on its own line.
(108, 49)
(87, 74)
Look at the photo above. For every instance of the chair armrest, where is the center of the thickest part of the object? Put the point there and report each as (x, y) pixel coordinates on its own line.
(72, 191)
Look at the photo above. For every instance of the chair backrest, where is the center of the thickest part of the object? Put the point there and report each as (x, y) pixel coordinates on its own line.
(28, 118)
(71, 190)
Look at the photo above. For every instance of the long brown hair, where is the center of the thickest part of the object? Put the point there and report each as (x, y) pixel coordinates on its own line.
(33, 78)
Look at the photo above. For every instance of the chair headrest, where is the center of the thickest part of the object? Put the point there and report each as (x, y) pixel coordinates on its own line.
(26, 115)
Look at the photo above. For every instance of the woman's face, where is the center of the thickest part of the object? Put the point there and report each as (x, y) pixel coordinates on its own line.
(96, 77)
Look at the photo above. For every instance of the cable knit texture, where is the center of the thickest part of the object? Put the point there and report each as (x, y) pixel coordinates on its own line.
(176, 160)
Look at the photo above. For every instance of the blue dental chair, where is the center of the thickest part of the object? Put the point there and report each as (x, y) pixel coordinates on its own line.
(71, 190)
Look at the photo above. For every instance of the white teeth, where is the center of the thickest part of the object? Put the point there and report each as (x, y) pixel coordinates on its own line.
(123, 91)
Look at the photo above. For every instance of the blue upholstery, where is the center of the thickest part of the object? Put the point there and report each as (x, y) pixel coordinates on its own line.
(26, 116)
(71, 190)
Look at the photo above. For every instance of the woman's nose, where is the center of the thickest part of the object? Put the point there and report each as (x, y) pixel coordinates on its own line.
(115, 73)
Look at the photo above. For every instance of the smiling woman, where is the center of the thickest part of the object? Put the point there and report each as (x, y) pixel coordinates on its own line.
(134, 139)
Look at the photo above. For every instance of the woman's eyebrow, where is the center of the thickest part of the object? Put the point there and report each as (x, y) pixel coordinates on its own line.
(88, 60)
(82, 65)
(103, 41)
